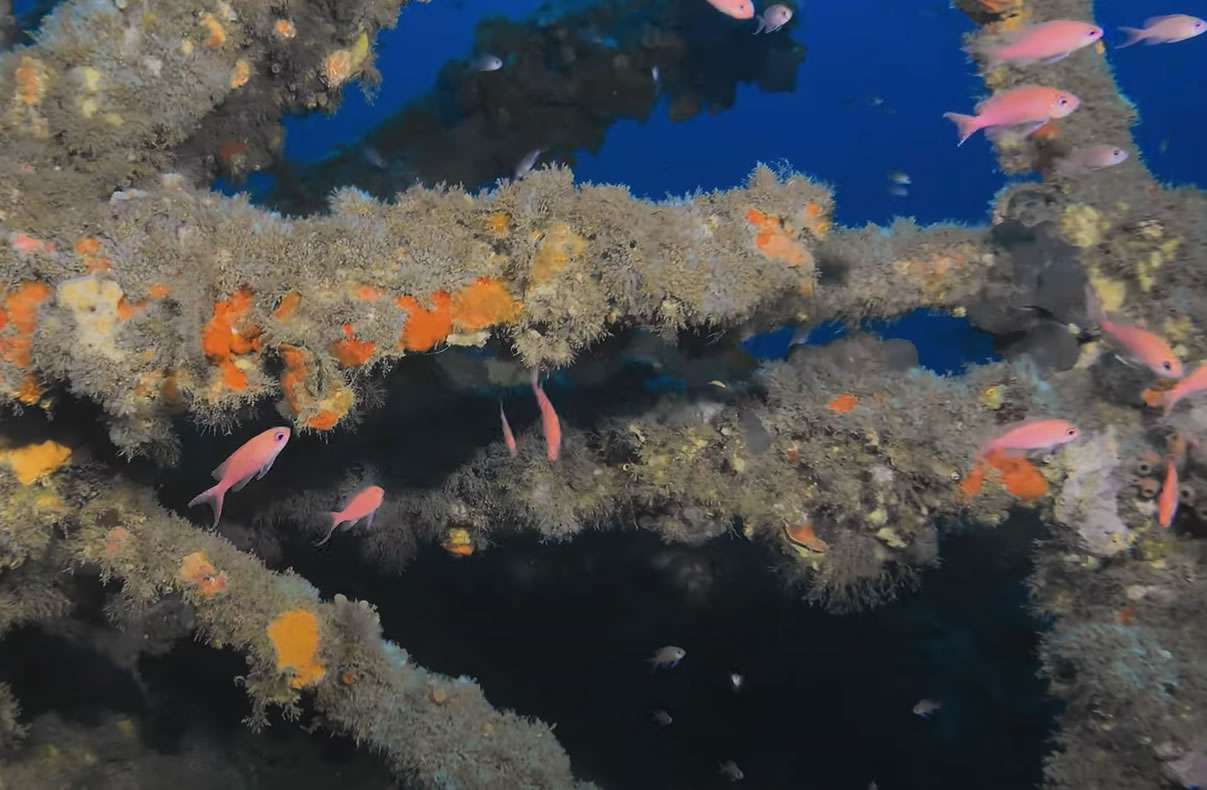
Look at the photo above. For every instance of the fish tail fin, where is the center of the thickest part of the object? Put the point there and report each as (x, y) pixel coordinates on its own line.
(336, 519)
(1134, 36)
(966, 125)
(214, 497)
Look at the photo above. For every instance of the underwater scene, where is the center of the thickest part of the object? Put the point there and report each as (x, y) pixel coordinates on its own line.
(614, 394)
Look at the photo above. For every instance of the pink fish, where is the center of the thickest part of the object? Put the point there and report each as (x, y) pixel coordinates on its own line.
(1032, 435)
(1194, 383)
(1167, 29)
(549, 422)
(363, 505)
(1089, 158)
(253, 459)
(1047, 42)
(738, 9)
(508, 436)
(1167, 502)
(1027, 106)
(775, 17)
(1141, 345)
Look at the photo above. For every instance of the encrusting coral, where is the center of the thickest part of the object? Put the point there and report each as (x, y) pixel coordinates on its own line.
(126, 284)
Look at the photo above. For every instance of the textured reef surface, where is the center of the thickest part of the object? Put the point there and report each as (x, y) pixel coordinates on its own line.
(171, 316)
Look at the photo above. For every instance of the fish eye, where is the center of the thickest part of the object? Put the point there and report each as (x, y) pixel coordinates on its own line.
(279, 435)
(1167, 365)
(1071, 432)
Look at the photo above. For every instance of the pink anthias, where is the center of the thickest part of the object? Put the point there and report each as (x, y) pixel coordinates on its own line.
(253, 459)
(1029, 435)
(773, 18)
(1027, 107)
(738, 9)
(508, 436)
(1140, 344)
(1168, 29)
(1046, 42)
(1193, 383)
(1167, 502)
(362, 506)
(550, 425)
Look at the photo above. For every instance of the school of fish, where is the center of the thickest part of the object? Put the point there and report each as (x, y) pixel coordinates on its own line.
(1023, 110)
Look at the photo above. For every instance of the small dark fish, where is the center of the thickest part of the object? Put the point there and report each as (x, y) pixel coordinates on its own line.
(527, 162)
(486, 62)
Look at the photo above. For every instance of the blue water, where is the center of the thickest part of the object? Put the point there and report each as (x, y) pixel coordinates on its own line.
(906, 53)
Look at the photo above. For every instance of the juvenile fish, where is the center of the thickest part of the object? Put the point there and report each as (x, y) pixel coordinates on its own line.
(253, 459)
(729, 769)
(1046, 42)
(927, 708)
(486, 62)
(661, 718)
(526, 164)
(667, 657)
(361, 506)
(1089, 158)
(775, 17)
(550, 425)
(1168, 29)
(1032, 435)
(1027, 107)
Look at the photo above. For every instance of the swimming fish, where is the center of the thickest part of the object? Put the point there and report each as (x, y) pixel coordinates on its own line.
(1141, 345)
(1167, 501)
(526, 164)
(775, 17)
(361, 506)
(738, 9)
(927, 707)
(1032, 435)
(253, 459)
(1046, 42)
(899, 177)
(1027, 106)
(1089, 158)
(729, 769)
(1168, 29)
(896, 190)
(486, 62)
(736, 681)
(1194, 382)
(508, 436)
(661, 718)
(550, 425)
(667, 657)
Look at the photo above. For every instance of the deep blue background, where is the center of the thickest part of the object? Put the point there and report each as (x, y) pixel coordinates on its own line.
(906, 52)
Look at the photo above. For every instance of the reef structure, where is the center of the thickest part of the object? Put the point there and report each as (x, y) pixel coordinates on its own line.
(129, 286)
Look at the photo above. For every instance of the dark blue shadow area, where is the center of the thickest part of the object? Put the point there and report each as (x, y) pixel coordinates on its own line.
(561, 631)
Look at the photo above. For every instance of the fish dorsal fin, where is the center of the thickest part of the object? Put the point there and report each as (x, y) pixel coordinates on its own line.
(1152, 20)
